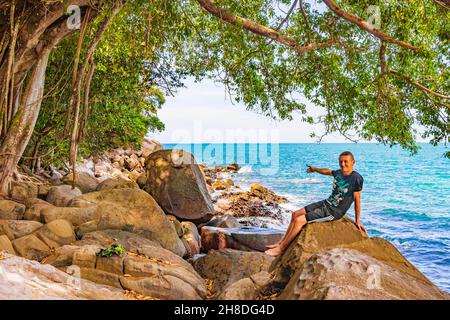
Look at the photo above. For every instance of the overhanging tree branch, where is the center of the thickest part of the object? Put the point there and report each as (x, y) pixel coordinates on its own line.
(364, 25)
(419, 85)
(262, 30)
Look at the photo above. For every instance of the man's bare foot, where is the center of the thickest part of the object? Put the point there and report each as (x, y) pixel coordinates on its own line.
(274, 251)
(270, 246)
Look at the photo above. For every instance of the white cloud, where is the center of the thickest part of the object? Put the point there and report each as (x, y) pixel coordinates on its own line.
(201, 113)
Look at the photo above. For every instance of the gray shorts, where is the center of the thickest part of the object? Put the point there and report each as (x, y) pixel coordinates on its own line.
(319, 212)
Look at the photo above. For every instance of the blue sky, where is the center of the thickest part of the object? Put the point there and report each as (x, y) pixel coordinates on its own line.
(202, 113)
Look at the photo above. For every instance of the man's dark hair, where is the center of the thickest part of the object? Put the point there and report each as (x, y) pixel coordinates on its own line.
(347, 153)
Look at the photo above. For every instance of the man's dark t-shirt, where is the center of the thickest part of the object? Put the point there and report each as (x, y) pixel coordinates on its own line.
(342, 195)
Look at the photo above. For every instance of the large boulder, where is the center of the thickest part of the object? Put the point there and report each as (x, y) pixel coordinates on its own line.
(132, 210)
(22, 228)
(242, 238)
(146, 268)
(57, 233)
(191, 238)
(25, 279)
(34, 209)
(83, 181)
(175, 181)
(117, 183)
(21, 191)
(5, 230)
(348, 274)
(247, 288)
(10, 210)
(385, 252)
(213, 238)
(314, 238)
(76, 216)
(5, 244)
(61, 196)
(225, 221)
(31, 247)
(149, 146)
(226, 266)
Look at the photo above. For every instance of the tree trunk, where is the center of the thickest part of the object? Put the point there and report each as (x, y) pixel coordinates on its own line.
(23, 122)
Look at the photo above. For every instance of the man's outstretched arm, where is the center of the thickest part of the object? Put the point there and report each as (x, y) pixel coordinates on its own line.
(357, 196)
(323, 171)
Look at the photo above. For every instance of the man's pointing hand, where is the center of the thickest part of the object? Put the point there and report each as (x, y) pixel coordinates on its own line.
(310, 169)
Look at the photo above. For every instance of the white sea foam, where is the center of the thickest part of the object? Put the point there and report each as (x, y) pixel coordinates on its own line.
(306, 180)
(245, 169)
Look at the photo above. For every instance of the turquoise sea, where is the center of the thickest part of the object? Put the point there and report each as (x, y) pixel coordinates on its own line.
(405, 199)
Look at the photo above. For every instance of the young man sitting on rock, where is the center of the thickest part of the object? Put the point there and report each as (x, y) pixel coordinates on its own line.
(347, 186)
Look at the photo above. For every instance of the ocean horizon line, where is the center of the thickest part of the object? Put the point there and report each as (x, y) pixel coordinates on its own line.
(267, 142)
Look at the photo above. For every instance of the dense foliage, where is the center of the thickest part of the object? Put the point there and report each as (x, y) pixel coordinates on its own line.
(367, 88)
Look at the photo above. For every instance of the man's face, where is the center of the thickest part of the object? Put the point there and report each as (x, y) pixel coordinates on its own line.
(346, 163)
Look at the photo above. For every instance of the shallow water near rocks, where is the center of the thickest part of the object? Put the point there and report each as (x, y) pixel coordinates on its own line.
(405, 199)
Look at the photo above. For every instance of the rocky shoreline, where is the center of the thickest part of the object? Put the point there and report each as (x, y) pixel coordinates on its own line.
(154, 224)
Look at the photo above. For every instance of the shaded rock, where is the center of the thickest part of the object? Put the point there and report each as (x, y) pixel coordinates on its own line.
(35, 201)
(145, 268)
(5, 229)
(101, 277)
(150, 146)
(76, 216)
(141, 266)
(246, 288)
(384, 251)
(243, 289)
(61, 257)
(245, 204)
(112, 264)
(61, 196)
(165, 288)
(133, 243)
(265, 194)
(314, 238)
(134, 175)
(213, 238)
(86, 227)
(176, 224)
(34, 208)
(21, 191)
(242, 238)
(222, 184)
(5, 244)
(175, 181)
(25, 279)
(117, 183)
(233, 167)
(225, 221)
(43, 190)
(22, 228)
(141, 180)
(135, 211)
(224, 267)
(57, 233)
(86, 256)
(256, 238)
(83, 181)
(343, 273)
(132, 163)
(10, 210)
(31, 247)
(191, 238)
